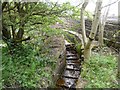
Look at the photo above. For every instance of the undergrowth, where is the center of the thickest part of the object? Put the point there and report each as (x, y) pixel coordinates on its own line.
(26, 68)
(31, 64)
(100, 71)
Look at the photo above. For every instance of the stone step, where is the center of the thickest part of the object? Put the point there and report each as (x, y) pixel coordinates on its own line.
(73, 61)
(71, 52)
(72, 58)
(73, 69)
(73, 66)
(69, 77)
(71, 73)
(78, 64)
(68, 55)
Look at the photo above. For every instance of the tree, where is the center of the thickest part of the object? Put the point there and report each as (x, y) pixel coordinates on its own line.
(18, 16)
(102, 25)
(15, 17)
(88, 47)
(83, 21)
(103, 22)
(96, 21)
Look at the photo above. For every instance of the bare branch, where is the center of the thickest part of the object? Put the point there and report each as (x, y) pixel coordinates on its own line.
(78, 4)
(110, 4)
(21, 40)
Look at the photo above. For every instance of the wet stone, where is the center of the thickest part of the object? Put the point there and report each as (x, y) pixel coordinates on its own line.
(71, 52)
(71, 58)
(72, 71)
(69, 55)
(73, 61)
(69, 82)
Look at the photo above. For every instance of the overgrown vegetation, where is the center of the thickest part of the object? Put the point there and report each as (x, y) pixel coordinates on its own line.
(28, 64)
(27, 68)
(100, 71)
(20, 18)
(26, 60)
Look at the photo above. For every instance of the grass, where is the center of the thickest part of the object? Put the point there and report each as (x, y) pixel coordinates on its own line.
(26, 68)
(31, 64)
(100, 71)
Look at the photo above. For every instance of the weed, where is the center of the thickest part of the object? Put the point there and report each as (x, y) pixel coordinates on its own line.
(100, 71)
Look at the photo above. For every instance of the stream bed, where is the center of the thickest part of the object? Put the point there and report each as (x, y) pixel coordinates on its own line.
(72, 70)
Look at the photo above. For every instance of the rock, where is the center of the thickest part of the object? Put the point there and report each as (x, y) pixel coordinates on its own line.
(80, 83)
(57, 52)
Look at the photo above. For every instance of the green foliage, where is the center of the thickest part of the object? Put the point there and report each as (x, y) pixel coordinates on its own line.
(50, 31)
(117, 34)
(78, 48)
(28, 16)
(25, 67)
(70, 38)
(100, 71)
(29, 64)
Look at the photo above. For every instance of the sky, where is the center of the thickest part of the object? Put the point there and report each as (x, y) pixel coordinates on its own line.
(91, 6)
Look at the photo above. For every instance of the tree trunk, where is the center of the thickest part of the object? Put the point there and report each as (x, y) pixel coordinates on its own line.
(13, 32)
(102, 25)
(83, 22)
(87, 50)
(20, 34)
(101, 32)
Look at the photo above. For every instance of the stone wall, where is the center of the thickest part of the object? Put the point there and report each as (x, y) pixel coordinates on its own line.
(57, 53)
